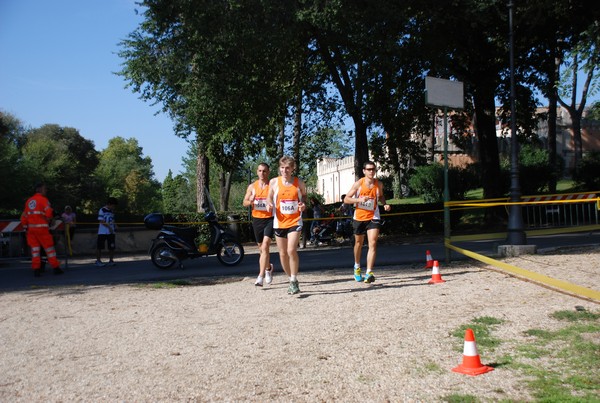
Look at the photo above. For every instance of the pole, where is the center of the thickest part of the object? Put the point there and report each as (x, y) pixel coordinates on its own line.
(446, 188)
(516, 234)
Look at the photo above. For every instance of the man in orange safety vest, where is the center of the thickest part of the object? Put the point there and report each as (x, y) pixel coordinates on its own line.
(35, 219)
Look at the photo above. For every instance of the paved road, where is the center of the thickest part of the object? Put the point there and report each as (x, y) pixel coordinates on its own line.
(16, 275)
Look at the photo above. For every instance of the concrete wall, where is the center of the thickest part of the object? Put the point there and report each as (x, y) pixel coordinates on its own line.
(128, 240)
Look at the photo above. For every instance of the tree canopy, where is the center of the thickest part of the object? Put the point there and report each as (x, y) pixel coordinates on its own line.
(75, 173)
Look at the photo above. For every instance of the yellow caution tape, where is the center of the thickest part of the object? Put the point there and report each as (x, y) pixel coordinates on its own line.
(533, 276)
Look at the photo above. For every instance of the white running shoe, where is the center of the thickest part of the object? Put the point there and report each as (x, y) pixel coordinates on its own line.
(259, 281)
(269, 274)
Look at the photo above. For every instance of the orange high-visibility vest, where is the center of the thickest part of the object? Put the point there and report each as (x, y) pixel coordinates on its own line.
(37, 212)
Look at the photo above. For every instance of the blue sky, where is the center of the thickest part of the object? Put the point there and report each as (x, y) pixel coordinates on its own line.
(58, 59)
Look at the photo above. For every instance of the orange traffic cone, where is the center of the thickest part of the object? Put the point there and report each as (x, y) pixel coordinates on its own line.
(428, 260)
(436, 277)
(471, 364)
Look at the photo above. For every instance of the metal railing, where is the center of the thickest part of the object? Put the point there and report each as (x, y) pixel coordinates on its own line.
(561, 210)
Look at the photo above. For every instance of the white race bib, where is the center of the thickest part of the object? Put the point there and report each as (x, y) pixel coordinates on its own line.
(260, 204)
(288, 206)
(369, 204)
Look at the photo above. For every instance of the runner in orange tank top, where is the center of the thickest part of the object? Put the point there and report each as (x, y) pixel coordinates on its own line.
(286, 199)
(366, 194)
(262, 221)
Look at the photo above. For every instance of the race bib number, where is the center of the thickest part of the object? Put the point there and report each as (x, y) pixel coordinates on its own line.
(260, 204)
(369, 204)
(288, 206)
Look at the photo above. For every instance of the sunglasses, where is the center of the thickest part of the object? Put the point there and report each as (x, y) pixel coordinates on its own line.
(370, 169)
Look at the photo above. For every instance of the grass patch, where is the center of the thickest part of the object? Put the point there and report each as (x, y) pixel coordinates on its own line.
(563, 365)
(407, 200)
(482, 329)
(560, 365)
(460, 399)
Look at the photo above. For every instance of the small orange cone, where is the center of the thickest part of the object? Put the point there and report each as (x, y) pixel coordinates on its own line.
(471, 364)
(428, 260)
(436, 277)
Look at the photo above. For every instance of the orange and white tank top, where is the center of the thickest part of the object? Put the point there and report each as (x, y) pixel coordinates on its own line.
(287, 212)
(259, 206)
(369, 209)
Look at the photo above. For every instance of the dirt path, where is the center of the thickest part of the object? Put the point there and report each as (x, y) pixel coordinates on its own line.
(230, 341)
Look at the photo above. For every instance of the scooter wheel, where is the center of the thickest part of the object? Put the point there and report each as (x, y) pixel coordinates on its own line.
(159, 256)
(230, 253)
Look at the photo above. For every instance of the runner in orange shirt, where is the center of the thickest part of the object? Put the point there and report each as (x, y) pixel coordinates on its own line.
(365, 194)
(262, 222)
(286, 195)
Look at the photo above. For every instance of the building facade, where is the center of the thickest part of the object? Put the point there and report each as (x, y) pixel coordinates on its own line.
(335, 177)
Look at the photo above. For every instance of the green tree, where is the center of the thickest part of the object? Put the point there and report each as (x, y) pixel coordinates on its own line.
(14, 176)
(585, 56)
(63, 159)
(594, 111)
(178, 194)
(550, 32)
(124, 173)
(207, 63)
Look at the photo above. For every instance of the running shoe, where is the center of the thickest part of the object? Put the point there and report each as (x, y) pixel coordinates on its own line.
(99, 263)
(358, 275)
(294, 287)
(369, 278)
(258, 282)
(269, 274)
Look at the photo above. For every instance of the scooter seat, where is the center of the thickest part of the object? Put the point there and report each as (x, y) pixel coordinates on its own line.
(184, 232)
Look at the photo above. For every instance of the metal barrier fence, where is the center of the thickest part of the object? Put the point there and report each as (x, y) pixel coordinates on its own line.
(564, 210)
(13, 240)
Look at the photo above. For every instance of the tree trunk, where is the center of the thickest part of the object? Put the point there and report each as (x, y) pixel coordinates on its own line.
(576, 112)
(485, 112)
(224, 188)
(202, 178)
(577, 143)
(351, 94)
(552, 104)
(297, 130)
(281, 141)
(361, 145)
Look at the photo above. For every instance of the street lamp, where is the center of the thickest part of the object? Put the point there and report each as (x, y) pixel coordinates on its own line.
(516, 234)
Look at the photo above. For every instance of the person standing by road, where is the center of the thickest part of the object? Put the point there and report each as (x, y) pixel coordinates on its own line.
(262, 222)
(69, 218)
(365, 194)
(286, 195)
(317, 210)
(36, 218)
(106, 232)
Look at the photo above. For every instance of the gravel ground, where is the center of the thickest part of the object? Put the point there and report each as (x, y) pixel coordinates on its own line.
(228, 340)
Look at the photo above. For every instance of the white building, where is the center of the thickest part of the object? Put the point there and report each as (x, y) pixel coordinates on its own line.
(335, 177)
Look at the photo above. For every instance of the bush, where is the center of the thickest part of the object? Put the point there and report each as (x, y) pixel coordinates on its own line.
(535, 171)
(586, 172)
(428, 182)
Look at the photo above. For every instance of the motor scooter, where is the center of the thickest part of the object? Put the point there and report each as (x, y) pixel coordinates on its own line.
(174, 244)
